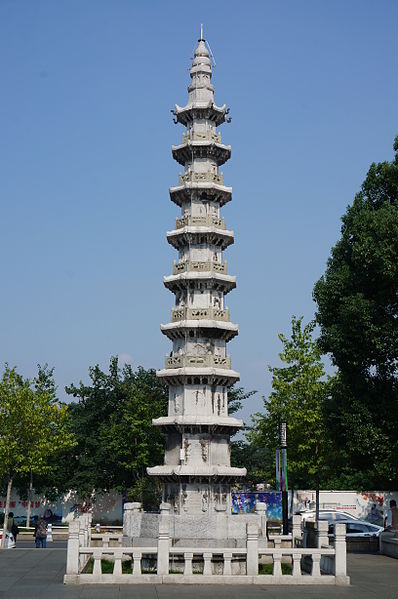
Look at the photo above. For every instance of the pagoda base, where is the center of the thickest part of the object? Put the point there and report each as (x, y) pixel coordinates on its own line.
(140, 529)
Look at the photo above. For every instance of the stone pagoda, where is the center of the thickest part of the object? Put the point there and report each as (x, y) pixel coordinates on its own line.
(197, 474)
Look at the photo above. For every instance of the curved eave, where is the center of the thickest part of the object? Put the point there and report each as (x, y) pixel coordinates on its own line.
(180, 193)
(201, 149)
(198, 371)
(176, 472)
(230, 330)
(174, 237)
(200, 421)
(185, 115)
(226, 281)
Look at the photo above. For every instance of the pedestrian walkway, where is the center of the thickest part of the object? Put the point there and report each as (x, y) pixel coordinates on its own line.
(38, 574)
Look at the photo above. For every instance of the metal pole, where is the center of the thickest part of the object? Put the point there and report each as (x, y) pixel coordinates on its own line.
(284, 487)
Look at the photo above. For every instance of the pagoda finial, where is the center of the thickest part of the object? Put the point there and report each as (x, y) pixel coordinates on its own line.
(201, 33)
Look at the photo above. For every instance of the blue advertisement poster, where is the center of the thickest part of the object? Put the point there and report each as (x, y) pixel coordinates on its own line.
(244, 502)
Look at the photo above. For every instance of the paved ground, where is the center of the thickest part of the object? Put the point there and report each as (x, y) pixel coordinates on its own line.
(37, 574)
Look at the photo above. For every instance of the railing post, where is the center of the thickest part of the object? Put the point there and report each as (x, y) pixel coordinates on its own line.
(297, 532)
(252, 549)
(322, 533)
(227, 570)
(90, 521)
(72, 556)
(188, 557)
(86, 527)
(296, 564)
(164, 539)
(316, 565)
(82, 535)
(97, 570)
(341, 552)
(137, 556)
(207, 555)
(117, 568)
(277, 570)
(261, 511)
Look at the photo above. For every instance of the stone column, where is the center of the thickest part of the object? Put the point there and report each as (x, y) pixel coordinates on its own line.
(252, 549)
(261, 510)
(297, 532)
(132, 519)
(72, 556)
(341, 553)
(164, 539)
(322, 533)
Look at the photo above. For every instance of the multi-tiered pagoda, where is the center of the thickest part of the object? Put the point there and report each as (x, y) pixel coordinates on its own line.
(197, 474)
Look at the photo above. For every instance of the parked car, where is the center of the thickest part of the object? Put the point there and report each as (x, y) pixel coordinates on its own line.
(10, 541)
(359, 529)
(329, 515)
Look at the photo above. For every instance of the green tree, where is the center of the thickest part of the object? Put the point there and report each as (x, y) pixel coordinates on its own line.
(112, 421)
(33, 427)
(357, 301)
(299, 393)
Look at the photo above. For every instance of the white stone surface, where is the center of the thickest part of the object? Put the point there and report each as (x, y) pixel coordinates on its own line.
(196, 473)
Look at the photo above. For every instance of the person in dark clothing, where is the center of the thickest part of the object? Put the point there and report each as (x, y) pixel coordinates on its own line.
(40, 533)
(12, 526)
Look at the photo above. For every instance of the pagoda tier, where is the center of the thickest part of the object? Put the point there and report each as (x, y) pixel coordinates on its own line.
(195, 184)
(200, 111)
(201, 149)
(194, 424)
(195, 235)
(210, 328)
(197, 474)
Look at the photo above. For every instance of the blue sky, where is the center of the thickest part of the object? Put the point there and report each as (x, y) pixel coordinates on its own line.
(85, 165)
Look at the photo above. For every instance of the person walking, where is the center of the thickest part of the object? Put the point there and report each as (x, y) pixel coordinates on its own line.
(12, 526)
(40, 533)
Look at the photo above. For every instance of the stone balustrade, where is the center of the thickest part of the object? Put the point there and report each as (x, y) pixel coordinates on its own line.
(205, 266)
(211, 220)
(207, 361)
(200, 178)
(165, 564)
(199, 314)
(199, 136)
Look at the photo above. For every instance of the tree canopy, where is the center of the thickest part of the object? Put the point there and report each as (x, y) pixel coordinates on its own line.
(33, 426)
(357, 310)
(112, 422)
(299, 393)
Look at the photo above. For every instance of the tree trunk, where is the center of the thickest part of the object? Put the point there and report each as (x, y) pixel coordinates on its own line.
(317, 497)
(3, 540)
(28, 512)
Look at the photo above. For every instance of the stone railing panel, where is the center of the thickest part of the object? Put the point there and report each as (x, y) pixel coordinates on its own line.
(208, 361)
(205, 266)
(200, 178)
(199, 136)
(200, 314)
(211, 220)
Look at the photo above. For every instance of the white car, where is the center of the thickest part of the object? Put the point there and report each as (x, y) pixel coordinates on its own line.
(10, 541)
(330, 515)
(359, 529)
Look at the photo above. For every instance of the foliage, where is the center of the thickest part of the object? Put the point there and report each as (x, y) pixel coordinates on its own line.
(255, 458)
(236, 397)
(112, 421)
(357, 301)
(32, 422)
(33, 425)
(298, 397)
